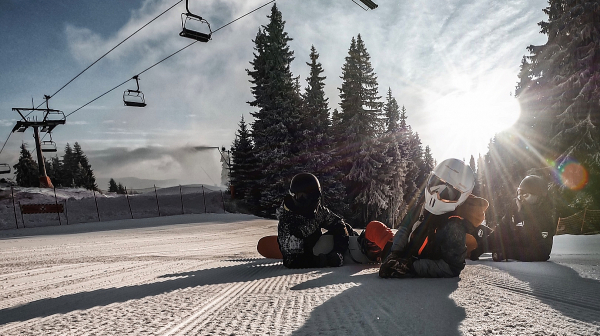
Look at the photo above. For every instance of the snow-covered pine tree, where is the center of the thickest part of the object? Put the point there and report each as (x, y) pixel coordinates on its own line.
(276, 128)
(562, 77)
(391, 113)
(316, 148)
(26, 169)
(397, 169)
(360, 152)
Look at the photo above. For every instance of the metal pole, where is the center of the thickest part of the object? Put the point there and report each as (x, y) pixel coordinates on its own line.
(157, 205)
(12, 192)
(95, 200)
(41, 165)
(66, 212)
(204, 198)
(128, 203)
(22, 218)
(56, 201)
(181, 195)
(223, 200)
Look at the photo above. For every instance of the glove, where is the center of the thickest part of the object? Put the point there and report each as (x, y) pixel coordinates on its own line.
(396, 266)
(335, 259)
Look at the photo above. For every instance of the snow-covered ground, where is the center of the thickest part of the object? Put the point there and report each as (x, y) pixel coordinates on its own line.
(200, 274)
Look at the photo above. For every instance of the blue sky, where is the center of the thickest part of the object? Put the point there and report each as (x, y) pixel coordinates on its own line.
(452, 63)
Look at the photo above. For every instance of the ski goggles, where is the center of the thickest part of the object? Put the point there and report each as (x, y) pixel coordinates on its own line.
(525, 196)
(445, 191)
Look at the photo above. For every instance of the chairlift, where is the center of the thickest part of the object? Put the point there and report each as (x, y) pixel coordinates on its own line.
(48, 146)
(4, 168)
(189, 19)
(134, 97)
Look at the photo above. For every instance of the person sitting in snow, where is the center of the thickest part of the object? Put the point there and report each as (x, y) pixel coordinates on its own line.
(526, 232)
(441, 230)
(301, 218)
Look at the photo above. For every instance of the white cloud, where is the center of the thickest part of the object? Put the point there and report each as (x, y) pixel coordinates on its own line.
(423, 50)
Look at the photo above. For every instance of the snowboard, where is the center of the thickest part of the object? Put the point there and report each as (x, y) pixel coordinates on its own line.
(268, 247)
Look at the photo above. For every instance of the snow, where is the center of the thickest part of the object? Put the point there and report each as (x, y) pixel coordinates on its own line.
(200, 274)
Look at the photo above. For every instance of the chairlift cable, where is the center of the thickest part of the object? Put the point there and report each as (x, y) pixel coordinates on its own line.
(5, 142)
(164, 59)
(100, 96)
(101, 57)
(252, 11)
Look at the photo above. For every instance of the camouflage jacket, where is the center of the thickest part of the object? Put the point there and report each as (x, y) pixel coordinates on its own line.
(297, 234)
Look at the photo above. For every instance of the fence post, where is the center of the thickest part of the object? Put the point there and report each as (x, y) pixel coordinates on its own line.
(157, 205)
(14, 208)
(203, 198)
(583, 221)
(22, 218)
(181, 195)
(128, 203)
(56, 202)
(223, 200)
(95, 200)
(66, 212)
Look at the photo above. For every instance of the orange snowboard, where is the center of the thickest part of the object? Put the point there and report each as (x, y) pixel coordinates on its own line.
(269, 248)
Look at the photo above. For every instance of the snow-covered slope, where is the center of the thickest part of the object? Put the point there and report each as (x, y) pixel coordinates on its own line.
(201, 275)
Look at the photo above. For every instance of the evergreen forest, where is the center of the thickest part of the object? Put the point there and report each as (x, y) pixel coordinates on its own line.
(72, 171)
(368, 159)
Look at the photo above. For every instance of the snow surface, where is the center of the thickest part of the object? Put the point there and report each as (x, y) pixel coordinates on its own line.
(200, 274)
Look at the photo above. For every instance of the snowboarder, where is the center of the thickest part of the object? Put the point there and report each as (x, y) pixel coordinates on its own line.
(432, 239)
(301, 218)
(526, 232)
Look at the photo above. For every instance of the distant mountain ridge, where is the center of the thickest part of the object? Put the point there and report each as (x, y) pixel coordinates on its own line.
(136, 183)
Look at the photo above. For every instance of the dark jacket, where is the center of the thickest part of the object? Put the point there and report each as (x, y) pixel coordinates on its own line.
(437, 245)
(527, 234)
(298, 232)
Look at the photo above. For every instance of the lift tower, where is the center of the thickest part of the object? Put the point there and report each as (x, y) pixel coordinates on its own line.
(44, 120)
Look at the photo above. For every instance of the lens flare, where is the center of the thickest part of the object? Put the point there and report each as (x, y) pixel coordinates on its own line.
(573, 175)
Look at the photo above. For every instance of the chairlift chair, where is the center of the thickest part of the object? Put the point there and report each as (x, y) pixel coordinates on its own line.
(4, 168)
(48, 146)
(188, 19)
(134, 97)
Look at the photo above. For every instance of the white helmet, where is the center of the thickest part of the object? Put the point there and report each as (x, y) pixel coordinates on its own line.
(449, 185)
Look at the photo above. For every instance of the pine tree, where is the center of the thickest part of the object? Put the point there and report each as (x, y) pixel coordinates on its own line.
(559, 89)
(360, 149)
(26, 169)
(69, 168)
(85, 175)
(277, 126)
(315, 154)
(360, 106)
(112, 186)
(121, 189)
(392, 113)
(428, 160)
(244, 172)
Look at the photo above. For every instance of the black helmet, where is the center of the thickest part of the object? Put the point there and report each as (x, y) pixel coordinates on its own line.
(305, 189)
(534, 185)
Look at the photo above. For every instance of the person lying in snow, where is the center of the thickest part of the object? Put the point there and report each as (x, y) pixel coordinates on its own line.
(441, 230)
(526, 232)
(301, 217)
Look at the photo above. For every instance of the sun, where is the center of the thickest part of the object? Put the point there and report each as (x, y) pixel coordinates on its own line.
(463, 120)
